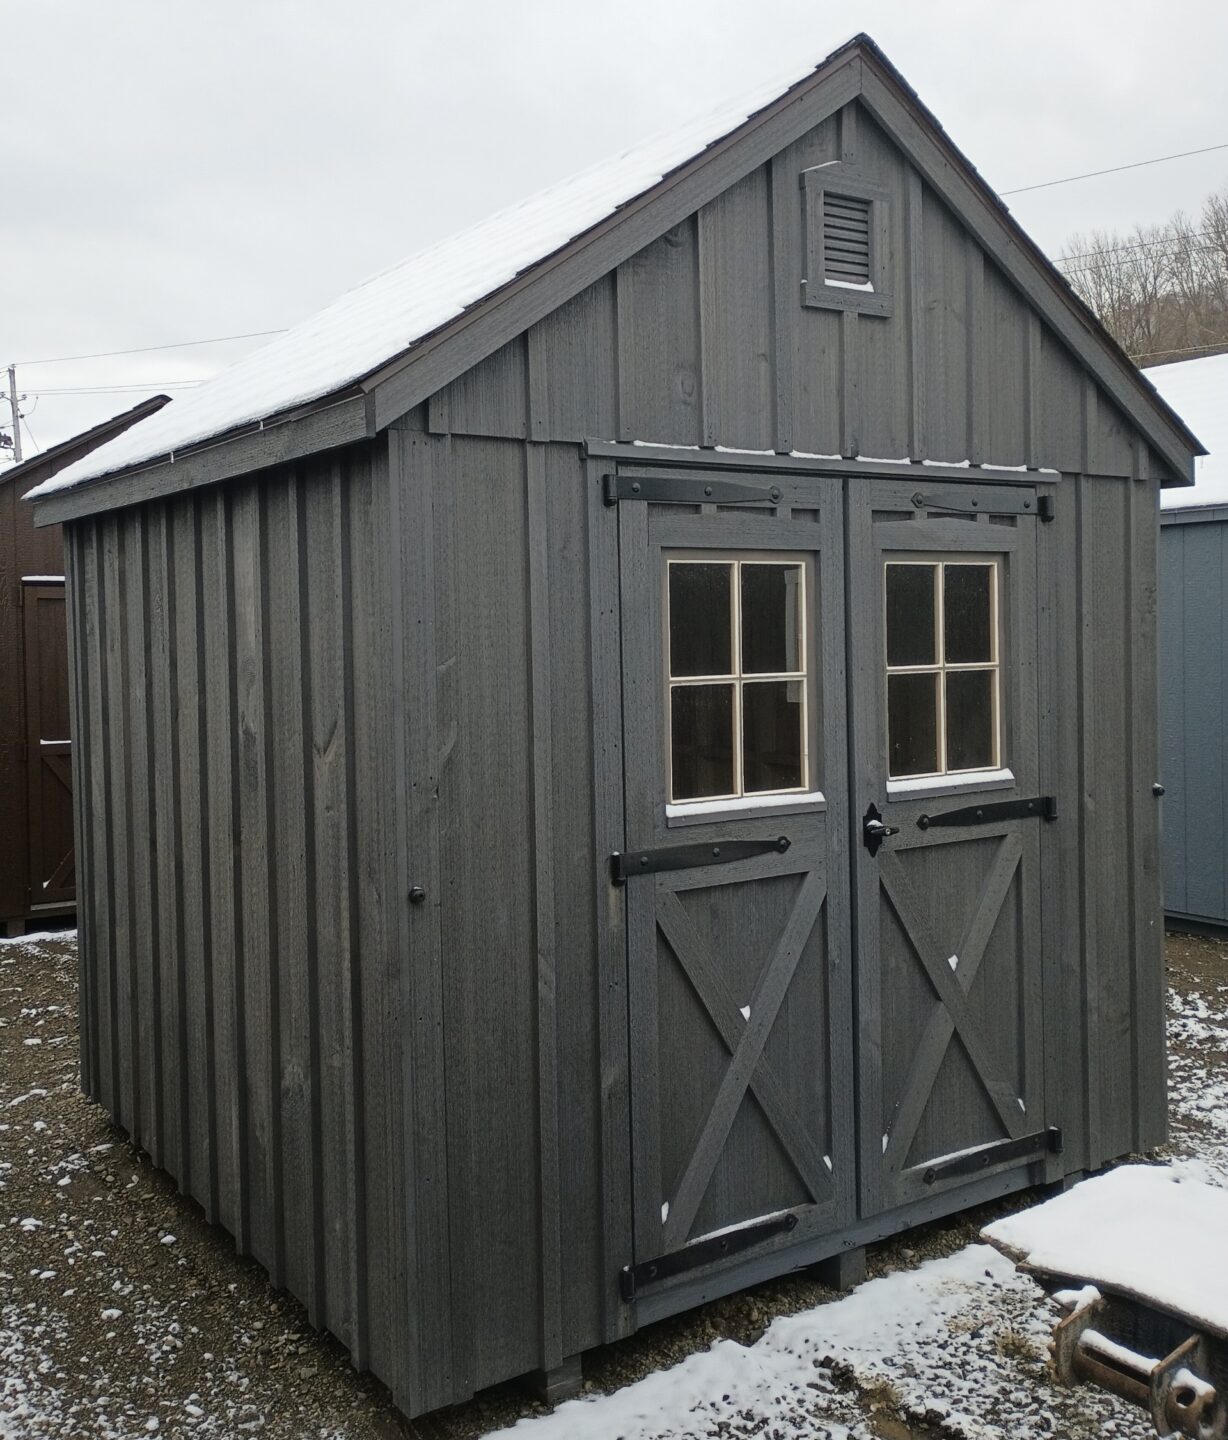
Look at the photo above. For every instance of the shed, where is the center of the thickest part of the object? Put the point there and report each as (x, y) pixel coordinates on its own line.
(1194, 655)
(36, 817)
(616, 761)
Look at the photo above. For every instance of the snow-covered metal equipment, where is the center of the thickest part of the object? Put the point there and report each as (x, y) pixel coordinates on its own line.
(1138, 1258)
(1177, 1389)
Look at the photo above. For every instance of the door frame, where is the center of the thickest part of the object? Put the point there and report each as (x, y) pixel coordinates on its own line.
(603, 458)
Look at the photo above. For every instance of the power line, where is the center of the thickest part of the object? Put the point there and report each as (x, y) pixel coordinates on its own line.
(38, 448)
(147, 349)
(147, 387)
(1113, 170)
(1189, 350)
(1141, 245)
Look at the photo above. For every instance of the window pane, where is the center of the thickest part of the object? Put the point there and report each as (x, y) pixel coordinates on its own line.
(772, 735)
(771, 619)
(910, 615)
(701, 736)
(700, 619)
(968, 613)
(969, 719)
(912, 724)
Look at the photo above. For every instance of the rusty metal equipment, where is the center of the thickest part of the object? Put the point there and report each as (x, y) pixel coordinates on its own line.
(1157, 1361)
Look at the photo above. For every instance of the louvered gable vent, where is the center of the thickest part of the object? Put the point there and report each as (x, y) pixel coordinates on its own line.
(846, 239)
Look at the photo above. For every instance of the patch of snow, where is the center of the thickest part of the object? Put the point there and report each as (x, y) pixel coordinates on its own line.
(38, 937)
(953, 961)
(950, 464)
(1140, 1229)
(1198, 391)
(865, 285)
(744, 1011)
(664, 1212)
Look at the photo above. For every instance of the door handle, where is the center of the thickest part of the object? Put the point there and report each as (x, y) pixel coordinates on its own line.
(874, 830)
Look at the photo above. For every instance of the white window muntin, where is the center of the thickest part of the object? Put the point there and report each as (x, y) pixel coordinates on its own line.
(941, 668)
(738, 679)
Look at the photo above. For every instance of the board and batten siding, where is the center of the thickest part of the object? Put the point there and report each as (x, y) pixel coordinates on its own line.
(1194, 712)
(304, 694)
(312, 692)
(701, 339)
(247, 987)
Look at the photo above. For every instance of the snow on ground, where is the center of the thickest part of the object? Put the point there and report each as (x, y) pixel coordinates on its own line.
(122, 1314)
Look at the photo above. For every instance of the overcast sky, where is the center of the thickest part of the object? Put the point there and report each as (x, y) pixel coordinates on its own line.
(173, 172)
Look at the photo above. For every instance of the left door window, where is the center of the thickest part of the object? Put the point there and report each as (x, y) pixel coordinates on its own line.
(737, 678)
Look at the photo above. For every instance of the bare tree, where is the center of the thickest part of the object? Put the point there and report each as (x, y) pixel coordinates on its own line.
(1162, 290)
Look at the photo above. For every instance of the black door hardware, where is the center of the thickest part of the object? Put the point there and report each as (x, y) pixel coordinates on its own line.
(1039, 807)
(686, 490)
(954, 502)
(701, 1252)
(1157, 789)
(689, 857)
(873, 829)
(417, 895)
(970, 1162)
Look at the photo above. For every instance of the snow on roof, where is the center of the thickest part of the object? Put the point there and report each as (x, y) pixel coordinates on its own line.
(1140, 1230)
(387, 314)
(1198, 391)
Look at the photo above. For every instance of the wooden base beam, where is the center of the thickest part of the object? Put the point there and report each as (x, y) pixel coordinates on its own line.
(844, 1271)
(554, 1386)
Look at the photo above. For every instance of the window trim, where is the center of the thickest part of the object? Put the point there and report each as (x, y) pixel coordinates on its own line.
(738, 800)
(997, 764)
(837, 178)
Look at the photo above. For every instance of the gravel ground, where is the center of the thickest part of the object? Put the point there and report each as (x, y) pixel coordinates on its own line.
(123, 1314)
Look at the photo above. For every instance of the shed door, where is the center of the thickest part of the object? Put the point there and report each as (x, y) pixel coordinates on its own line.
(48, 747)
(944, 728)
(736, 872)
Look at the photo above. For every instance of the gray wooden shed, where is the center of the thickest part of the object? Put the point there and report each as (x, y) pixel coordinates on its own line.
(565, 832)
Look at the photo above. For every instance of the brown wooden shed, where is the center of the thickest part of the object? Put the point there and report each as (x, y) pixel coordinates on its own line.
(617, 760)
(37, 879)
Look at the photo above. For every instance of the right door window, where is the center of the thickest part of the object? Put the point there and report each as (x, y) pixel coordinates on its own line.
(944, 701)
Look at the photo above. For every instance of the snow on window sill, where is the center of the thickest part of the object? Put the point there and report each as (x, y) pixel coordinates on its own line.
(696, 812)
(958, 784)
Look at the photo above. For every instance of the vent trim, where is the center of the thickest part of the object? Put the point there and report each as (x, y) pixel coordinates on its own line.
(847, 252)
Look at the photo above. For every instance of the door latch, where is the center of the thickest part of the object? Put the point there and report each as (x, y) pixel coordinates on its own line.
(874, 830)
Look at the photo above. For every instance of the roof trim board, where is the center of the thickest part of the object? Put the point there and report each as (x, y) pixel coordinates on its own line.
(857, 69)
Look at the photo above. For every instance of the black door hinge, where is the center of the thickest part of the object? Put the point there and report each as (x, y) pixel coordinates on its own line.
(1039, 807)
(690, 857)
(1000, 1152)
(685, 490)
(701, 1252)
(955, 502)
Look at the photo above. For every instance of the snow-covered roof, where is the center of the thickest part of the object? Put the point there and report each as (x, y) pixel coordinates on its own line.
(392, 311)
(1198, 391)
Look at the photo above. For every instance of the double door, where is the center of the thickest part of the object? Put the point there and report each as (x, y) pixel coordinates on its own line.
(831, 877)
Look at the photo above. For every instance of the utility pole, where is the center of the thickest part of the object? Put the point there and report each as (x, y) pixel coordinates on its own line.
(16, 414)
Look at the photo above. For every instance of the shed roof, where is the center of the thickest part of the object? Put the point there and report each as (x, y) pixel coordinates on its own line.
(354, 345)
(59, 457)
(1198, 391)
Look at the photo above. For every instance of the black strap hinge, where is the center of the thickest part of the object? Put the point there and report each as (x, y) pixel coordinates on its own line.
(690, 857)
(1039, 807)
(701, 1252)
(999, 1152)
(686, 490)
(957, 502)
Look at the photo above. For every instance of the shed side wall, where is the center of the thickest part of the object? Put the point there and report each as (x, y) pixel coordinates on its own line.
(243, 987)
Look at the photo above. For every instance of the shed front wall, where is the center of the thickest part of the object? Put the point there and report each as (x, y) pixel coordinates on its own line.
(395, 668)
(1194, 714)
